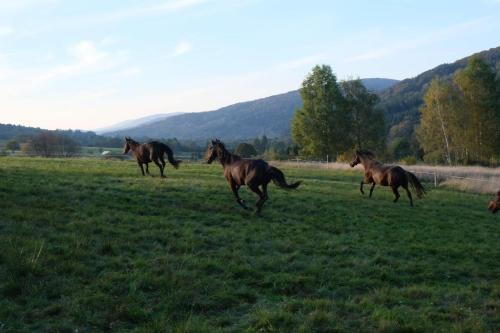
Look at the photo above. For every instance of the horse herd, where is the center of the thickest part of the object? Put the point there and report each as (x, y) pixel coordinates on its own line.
(256, 174)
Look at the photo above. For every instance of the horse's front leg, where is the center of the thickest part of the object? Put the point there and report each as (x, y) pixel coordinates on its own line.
(235, 189)
(361, 187)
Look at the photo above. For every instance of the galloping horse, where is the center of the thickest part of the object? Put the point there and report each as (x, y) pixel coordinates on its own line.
(494, 205)
(394, 176)
(250, 172)
(150, 152)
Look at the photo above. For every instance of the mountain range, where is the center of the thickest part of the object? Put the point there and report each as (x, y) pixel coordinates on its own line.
(135, 122)
(271, 116)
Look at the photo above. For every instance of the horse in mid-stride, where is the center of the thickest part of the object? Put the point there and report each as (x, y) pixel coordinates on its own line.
(250, 172)
(494, 205)
(394, 176)
(153, 151)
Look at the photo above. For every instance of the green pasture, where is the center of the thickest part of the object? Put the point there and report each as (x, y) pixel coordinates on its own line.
(89, 245)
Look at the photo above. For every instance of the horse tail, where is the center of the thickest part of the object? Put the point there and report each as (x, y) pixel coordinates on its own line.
(415, 184)
(170, 156)
(278, 178)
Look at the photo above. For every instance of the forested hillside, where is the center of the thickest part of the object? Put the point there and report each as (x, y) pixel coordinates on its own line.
(83, 138)
(270, 116)
(402, 101)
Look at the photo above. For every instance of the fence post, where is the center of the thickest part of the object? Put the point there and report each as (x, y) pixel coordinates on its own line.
(326, 158)
(435, 179)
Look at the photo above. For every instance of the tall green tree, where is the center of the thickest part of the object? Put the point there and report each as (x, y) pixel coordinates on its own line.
(479, 92)
(367, 125)
(245, 150)
(439, 121)
(461, 117)
(319, 127)
(12, 145)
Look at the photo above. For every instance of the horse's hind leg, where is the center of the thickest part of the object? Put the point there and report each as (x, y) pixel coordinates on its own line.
(161, 168)
(409, 195)
(162, 161)
(147, 168)
(371, 189)
(262, 197)
(396, 193)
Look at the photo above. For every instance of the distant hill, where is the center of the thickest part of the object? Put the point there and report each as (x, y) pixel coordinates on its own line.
(378, 84)
(135, 122)
(266, 116)
(84, 138)
(402, 101)
(270, 116)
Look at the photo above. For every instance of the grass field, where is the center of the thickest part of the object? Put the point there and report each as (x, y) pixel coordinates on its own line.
(89, 245)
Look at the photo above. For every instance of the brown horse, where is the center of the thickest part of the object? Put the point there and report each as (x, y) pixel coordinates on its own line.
(394, 176)
(150, 152)
(494, 205)
(250, 172)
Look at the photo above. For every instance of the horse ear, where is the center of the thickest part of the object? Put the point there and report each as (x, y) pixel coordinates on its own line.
(213, 142)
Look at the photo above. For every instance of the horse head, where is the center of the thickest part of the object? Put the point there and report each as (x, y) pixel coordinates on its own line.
(126, 148)
(216, 149)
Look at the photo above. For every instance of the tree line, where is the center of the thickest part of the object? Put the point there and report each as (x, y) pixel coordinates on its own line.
(336, 117)
(459, 124)
(460, 119)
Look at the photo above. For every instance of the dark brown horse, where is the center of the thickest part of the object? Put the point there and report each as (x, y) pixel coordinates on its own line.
(394, 176)
(153, 151)
(494, 205)
(249, 172)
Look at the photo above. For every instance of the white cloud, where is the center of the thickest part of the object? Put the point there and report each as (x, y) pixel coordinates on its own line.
(180, 49)
(86, 58)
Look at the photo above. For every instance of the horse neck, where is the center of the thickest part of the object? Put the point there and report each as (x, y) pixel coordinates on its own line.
(226, 158)
(367, 162)
(134, 145)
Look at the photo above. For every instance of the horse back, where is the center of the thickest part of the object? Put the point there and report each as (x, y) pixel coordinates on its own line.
(245, 171)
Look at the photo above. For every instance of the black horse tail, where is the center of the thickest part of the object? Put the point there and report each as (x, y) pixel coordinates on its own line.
(279, 179)
(415, 184)
(170, 156)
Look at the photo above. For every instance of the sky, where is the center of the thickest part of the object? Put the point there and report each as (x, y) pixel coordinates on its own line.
(89, 64)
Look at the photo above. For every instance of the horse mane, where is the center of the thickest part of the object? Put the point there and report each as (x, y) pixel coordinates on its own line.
(226, 154)
(130, 140)
(366, 153)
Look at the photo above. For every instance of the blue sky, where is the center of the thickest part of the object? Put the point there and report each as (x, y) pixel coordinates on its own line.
(89, 64)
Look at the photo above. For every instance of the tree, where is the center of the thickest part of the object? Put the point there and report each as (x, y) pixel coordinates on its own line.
(50, 144)
(461, 117)
(438, 121)
(479, 93)
(245, 150)
(319, 127)
(261, 145)
(12, 145)
(367, 125)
